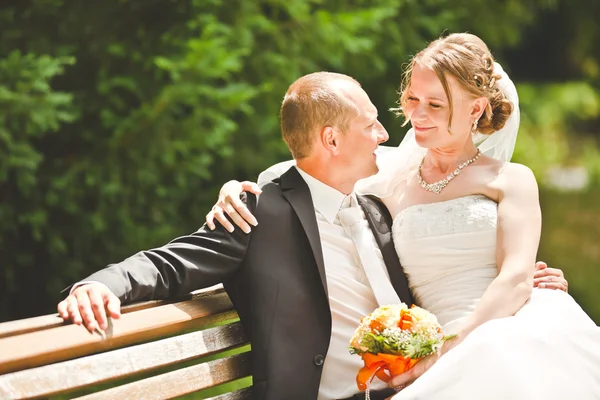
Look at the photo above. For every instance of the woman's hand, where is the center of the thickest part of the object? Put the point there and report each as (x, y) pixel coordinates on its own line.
(229, 203)
(401, 381)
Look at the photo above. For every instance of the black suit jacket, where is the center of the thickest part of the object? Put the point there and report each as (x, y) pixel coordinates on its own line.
(275, 277)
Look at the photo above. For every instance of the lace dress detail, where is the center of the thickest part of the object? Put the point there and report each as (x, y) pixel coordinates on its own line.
(463, 215)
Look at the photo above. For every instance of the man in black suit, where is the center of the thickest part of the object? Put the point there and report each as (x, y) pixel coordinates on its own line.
(294, 280)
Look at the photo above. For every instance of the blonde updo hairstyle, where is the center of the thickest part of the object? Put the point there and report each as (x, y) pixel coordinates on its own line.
(466, 58)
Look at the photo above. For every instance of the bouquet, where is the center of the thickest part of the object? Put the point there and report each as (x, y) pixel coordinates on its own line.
(392, 339)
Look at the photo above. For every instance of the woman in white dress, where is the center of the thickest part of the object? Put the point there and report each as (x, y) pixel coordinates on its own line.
(466, 228)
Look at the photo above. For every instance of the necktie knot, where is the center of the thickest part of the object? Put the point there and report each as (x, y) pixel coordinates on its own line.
(349, 216)
(350, 213)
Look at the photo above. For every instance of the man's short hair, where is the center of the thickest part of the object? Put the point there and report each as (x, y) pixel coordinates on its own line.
(311, 103)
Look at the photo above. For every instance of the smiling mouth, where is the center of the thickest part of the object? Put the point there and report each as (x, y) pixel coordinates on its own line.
(421, 129)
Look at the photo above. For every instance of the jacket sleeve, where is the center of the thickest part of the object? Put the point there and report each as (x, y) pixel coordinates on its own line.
(201, 259)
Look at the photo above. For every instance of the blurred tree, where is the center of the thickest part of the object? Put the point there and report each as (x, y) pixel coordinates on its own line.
(120, 119)
(31, 112)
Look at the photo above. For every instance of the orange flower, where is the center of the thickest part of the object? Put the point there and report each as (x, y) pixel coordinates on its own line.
(376, 326)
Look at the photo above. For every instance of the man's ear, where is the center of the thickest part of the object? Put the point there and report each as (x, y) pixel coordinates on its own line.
(330, 139)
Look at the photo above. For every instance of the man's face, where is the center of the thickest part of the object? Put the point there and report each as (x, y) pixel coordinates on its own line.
(365, 133)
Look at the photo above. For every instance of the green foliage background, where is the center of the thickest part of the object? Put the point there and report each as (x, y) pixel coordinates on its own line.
(120, 119)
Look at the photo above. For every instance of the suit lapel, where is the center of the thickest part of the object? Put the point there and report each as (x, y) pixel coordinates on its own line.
(380, 222)
(296, 191)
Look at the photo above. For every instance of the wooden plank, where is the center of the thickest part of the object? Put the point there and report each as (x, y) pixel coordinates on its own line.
(66, 342)
(12, 328)
(22, 326)
(243, 394)
(100, 368)
(198, 294)
(180, 382)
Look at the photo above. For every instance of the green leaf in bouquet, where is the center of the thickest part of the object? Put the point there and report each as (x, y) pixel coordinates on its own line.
(391, 347)
(373, 342)
(448, 337)
(418, 348)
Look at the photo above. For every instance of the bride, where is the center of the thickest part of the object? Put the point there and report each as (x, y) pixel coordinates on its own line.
(470, 266)
(467, 227)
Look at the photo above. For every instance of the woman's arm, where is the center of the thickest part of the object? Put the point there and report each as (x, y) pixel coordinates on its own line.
(229, 199)
(519, 230)
(275, 171)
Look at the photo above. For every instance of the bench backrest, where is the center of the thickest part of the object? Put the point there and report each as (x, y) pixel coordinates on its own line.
(158, 348)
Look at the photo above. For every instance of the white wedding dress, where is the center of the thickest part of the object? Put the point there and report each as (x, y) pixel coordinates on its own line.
(549, 350)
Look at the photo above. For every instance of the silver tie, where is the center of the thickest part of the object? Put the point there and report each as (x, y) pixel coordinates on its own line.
(351, 219)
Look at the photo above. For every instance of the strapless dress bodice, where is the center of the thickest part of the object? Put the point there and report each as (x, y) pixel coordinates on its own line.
(448, 252)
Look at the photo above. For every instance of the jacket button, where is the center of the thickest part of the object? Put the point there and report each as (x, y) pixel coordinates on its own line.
(319, 359)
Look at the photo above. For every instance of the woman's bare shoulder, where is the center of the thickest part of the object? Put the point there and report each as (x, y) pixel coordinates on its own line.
(516, 179)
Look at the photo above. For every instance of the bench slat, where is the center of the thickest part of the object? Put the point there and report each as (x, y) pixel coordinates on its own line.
(100, 368)
(182, 381)
(243, 394)
(22, 326)
(66, 342)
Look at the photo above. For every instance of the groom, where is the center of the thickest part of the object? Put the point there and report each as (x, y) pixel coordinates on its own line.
(296, 280)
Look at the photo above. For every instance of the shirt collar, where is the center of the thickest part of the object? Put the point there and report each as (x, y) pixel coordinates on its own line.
(326, 199)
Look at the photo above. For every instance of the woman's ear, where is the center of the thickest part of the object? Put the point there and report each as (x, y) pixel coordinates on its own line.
(478, 108)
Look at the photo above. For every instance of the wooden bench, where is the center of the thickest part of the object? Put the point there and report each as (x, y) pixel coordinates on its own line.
(156, 350)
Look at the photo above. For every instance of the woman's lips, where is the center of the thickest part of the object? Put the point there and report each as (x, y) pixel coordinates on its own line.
(422, 129)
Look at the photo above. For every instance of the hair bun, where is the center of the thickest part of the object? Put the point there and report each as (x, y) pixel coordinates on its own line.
(496, 114)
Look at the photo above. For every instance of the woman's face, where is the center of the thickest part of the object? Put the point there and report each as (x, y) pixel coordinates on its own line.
(428, 109)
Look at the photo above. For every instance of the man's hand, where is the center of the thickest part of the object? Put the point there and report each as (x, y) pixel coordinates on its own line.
(549, 278)
(89, 304)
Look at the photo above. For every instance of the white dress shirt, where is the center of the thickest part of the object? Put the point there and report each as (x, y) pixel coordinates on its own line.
(350, 296)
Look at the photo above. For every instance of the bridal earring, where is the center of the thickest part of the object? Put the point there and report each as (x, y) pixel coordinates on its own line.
(474, 128)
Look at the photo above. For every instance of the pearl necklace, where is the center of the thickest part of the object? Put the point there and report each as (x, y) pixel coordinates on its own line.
(437, 187)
